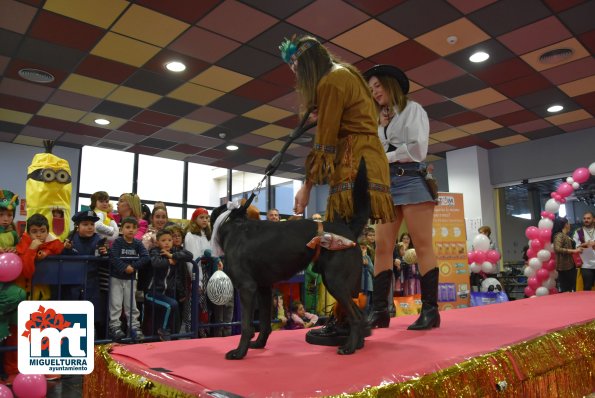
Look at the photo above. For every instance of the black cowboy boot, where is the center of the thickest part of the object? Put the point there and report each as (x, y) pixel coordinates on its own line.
(429, 317)
(334, 332)
(379, 316)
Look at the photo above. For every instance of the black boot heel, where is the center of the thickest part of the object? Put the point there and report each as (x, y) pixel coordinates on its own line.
(430, 316)
(379, 316)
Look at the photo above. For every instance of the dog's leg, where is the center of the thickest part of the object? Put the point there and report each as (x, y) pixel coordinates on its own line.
(355, 340)
(247, 295)
(264, 317)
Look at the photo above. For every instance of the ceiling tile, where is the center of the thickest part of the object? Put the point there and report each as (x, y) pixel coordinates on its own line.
(101, 14)
(467, 33)
(524, 85)
(261, 91)
(260, 62)
(7, 137)
(580, 125)
(188, 138)
(407, 55)
(155, 118)
(89, 130)
(87, 86)
(267, 113)
(580, 18)
(588, 39)
(468, 6)
(530, 126)
(195, 94)
(9, 42)
(572, 71)
(312, 18)
(52, 124)
(274, 145)
(8, 127)
(579, 87)
(8, 115)
(3, 63)
(269, 40)
(260, 163)
(210, 115)
(463, 118)
(153, 82)
(471, 140)
(234, 104)
(242, 125)
(479, 98)
(40, 132)
(340, 53)
(190, 126)
(290, 122)
(221, 79)
(288, 102)
(229, 19)
(561, 5)
(30, 141)
(200, 159)
(157, 143)
(187, 149)
(434, 72)
(458, 86)
(543, 133)
(125, 137)
(537, 35)
(480, 127)
(369, 38)
(16, 16)
(513, 118)
(204, 45)
(299, 151)
(440, 147)
(426, 97)
(272, 131)
(542, 98)
(587, 101)
(19, 104)
(532, 58)
(513, 139)
(405, 17)
(25, 89)
(448, 135)
(124, 49)
(169, 154)
(506, 15)
(496, 134)
(173, 107)
(569, 117)
(252, 139)
(116, 109)
(281, 76)
(64, 31)
(149, 26)
(436, 126)
(53, 55)
(104, 69)
(16, 64)
(374, 7)
(139, 128)
(132, 96)
(504, 71)
(278, 9)
(499, 108)
(443, 109)
(60, 112)
(184, 10)
(498, 53)
(144, 150)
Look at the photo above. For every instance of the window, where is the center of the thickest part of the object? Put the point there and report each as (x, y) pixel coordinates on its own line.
(160, 179)
(206, 185)
(106, 170)
(284, 194)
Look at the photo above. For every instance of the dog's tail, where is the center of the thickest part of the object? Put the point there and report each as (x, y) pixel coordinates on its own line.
(361, 200)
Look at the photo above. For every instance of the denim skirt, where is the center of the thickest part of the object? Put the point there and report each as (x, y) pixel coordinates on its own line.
(408, 189)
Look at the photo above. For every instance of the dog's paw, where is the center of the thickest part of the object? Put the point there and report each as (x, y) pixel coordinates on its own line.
(235, 354)
(345, 350)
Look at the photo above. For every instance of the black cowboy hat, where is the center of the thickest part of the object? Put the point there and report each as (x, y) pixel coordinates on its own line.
(87, 215)
(389, 70)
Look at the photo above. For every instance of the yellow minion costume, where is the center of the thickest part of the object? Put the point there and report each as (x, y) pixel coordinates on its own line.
(49, 190)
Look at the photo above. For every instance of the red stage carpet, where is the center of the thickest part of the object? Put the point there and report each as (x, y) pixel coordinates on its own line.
(533, 347)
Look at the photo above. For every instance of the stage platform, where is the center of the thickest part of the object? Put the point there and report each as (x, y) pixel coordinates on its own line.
(540, 347)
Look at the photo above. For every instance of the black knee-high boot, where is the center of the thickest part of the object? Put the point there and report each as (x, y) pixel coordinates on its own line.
(379, 316)
(429, 317)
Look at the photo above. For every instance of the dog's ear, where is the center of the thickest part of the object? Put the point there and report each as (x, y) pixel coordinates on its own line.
(216, 213)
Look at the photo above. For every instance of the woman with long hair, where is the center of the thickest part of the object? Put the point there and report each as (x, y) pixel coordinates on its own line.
(564, 248)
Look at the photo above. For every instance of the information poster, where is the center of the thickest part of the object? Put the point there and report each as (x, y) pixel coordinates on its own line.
(450, 245)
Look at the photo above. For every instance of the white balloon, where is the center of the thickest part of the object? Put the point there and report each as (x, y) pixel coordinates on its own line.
(488, 267)
(569, 180)
(548, 246)
(475, 268)
(220, 288)
(535, 263)
(576, 185)
(549, 283)
(544, 255)
(529, 272)
(552, 206)
(542, 291)
(592, 169)
(545, 223)
(481, 242)
(554, 274)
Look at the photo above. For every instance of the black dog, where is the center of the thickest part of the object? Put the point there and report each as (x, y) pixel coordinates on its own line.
(260, 253)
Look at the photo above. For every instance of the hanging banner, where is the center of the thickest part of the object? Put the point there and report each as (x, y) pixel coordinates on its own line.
(450, 245)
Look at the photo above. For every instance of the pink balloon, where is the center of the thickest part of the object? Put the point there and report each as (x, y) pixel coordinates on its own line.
(30, 386)
(532, 232)
(565, 189)
(529, 292)
(553, 290)
(553, 195)
(549, 265)
(5, 392)
(10, 267)
(545, 235)
(480, 256)
(533, 283)
(551, 216)
(547, 214)
(542, 274)
(493, 256)
(536, 244)
(471, 257)
(581, 175)
(531, 253)
(557, 197)
(561, 200)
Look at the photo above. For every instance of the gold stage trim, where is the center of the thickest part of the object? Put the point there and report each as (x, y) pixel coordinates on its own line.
(558, 364)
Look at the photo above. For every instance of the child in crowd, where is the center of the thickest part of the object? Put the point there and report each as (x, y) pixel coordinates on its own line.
(128, 255)
(367, 284)
(159, 220)
(84, 241)
(300, 318)
(165, 287)
(8, 235)
(35, 245)
(105, 226)
(184, 277)
(278, 314)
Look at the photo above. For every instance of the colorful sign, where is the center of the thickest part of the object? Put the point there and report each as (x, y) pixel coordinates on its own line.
(450, 245)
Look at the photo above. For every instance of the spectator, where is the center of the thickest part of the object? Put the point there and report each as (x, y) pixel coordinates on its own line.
(584, 237)
(300, 318)
(563, 247)
(105, 226)
(273, 215)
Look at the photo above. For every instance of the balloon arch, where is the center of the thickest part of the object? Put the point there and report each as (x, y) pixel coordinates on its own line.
(541, 270)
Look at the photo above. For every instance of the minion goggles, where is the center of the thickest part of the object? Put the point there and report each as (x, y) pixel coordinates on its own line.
(49, 175)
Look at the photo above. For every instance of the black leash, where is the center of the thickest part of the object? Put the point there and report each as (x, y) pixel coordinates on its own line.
(278, 158)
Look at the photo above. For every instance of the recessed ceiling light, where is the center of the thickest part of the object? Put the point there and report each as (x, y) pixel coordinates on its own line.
(479, 56)
(175, 66)
(232, 147)
(102, 122)
(555, 108)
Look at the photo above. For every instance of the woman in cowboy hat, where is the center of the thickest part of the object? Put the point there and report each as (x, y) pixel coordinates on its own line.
(403, 128)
